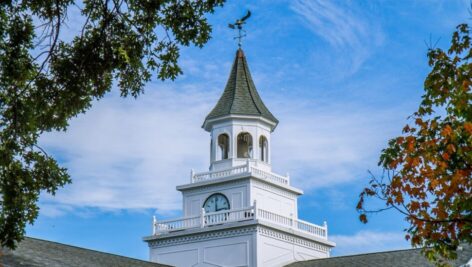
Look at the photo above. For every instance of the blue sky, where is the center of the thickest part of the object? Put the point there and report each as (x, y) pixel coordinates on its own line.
(341, 76)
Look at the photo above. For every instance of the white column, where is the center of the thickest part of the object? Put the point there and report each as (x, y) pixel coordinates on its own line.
(202, 218)
(325, 224)
(154, 225)
(192, 173)
(255, 209)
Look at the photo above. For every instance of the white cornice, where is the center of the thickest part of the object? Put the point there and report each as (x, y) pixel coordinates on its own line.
(236, 229)
(207, 124)
(235, 178)
(202, 234)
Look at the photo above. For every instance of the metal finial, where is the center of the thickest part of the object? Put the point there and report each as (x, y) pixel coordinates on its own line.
(239, 24)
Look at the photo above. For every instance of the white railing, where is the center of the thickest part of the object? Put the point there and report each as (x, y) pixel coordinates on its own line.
(204, 176)
(269, 176)
(246, 169)
(204, 219)
(313, 229)
(176, 224)
(274, 217)
(237, 215)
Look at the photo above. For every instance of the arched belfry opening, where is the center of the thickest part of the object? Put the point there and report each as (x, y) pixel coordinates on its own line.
(244, 145)
(263, 149)
(223, 147)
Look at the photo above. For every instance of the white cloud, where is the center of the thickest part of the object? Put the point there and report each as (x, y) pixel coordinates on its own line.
(127, 153)
(130, 154)
(353, 33)
(368, 241)
(324, 145)
(54, 209)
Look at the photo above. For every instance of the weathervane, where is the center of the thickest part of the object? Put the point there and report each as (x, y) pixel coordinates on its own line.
(239, 24)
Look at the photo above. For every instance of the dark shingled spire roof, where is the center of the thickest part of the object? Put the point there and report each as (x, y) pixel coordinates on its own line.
(240, 96)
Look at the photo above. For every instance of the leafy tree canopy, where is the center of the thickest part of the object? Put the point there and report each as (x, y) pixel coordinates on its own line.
(45, 80)
(428, 169)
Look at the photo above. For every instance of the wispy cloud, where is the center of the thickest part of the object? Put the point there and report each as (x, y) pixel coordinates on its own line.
(130, 154)
(368, 241)
(323, 145)
(352, 32)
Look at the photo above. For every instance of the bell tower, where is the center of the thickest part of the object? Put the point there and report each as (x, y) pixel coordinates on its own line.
(240, 124)
(239, 213)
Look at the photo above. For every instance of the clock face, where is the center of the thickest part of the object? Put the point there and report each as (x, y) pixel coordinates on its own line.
(216, 202)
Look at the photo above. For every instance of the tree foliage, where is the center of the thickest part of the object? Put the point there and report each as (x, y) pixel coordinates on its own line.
(429, 167)
(45, 79)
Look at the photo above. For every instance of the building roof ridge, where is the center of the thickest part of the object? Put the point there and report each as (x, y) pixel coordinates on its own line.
(246, 74)
(87, 249)
(236, 70)
(371, 253)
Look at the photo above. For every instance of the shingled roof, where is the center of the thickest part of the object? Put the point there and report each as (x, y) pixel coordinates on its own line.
(32, 252)
(240, 96)
(398, 258)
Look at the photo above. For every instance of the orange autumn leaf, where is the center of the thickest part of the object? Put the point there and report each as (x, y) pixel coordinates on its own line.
(434, 183)
(410, 146)
(414, 205)
(445, 156)
(447, 130)
(468, 127)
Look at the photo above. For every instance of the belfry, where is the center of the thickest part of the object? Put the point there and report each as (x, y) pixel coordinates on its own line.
(239, 108)
(239, 213)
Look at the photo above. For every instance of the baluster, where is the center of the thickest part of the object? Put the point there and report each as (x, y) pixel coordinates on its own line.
(154, 225)
(325, 225)
(192, 174)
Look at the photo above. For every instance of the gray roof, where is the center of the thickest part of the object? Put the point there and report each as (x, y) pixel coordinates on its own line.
(240, 96)
(399, 258)
(34, 252)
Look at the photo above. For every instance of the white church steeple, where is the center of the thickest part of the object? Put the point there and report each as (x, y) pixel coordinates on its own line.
(239, 213)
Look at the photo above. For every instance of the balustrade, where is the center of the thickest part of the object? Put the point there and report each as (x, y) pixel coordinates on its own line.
(312, 228)
(205, 219)
(204, 176)
(274, 218)
(243, 169)
(237, 215)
